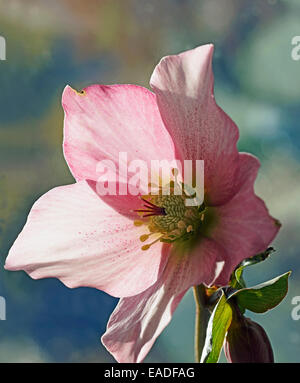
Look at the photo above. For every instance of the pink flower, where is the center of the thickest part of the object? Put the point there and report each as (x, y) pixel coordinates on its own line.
(85, 239)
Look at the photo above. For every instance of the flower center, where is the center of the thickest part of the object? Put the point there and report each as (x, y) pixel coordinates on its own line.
(167, 216)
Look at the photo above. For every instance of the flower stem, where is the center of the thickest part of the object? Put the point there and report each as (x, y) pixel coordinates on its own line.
(202, 317)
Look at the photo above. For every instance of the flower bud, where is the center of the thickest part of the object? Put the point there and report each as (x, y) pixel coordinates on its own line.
(247, 342)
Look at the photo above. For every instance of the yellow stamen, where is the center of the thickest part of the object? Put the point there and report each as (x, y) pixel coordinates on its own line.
(181, 224)
(138, 223)
(144, 237)
(146, 247)
(167, 214)
(189, 229)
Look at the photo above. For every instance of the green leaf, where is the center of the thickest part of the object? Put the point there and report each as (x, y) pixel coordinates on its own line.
(236, 280)
(257, 258)
(264, 296)
(218, 325)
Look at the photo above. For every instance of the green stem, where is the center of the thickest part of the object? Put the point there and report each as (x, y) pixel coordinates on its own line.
(202, 318)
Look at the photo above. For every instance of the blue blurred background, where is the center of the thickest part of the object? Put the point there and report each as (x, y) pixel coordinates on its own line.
(76, 42)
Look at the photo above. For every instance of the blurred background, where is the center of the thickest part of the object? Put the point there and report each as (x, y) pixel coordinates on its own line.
(76, 42)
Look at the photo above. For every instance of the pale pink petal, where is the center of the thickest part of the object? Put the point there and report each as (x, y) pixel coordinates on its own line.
(200, 129)
(71, 234)
(245, 227)
(137, 321)
(104, 120)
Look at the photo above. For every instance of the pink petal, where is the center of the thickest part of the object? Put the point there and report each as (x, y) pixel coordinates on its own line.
(137, 321)
(200, 129)
(71, 234)
(107, 120)
(245, 227)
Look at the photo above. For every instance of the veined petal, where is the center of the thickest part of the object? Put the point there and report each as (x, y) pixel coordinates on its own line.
(245, 227)
(103, 121)
(201, 130)
(72, 235)
(137, 321)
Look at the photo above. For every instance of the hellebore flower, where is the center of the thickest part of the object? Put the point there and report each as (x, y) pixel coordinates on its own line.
(86, 239)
